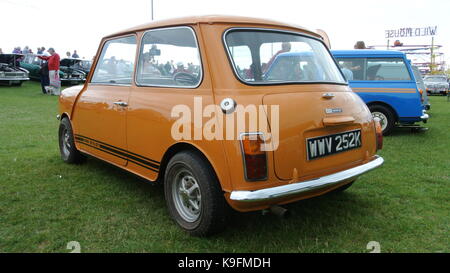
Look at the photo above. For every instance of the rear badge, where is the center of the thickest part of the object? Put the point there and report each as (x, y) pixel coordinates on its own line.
(333, 110)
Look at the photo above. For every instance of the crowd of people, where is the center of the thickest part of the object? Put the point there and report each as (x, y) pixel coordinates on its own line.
(39, 51)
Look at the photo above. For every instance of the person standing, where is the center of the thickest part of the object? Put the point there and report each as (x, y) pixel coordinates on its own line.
(25, 50)
(43, 72)
(75, 55)
(347, 72)
(53, 71)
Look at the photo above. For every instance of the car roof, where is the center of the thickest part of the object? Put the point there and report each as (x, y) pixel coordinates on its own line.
(367, 52)
(210, 19)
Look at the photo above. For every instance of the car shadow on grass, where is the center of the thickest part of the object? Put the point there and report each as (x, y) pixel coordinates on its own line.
(329, 213)
(325, 215)
(400, 132)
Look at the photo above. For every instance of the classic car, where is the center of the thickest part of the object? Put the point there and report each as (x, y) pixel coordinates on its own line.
(385, 81)
(10, 72)
(68, 76)
(73, 64)
(292, 140)
(436, 84)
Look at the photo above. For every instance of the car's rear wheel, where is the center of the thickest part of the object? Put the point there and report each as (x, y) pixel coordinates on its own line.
(68, 151)
(387, 118)
(193, 194)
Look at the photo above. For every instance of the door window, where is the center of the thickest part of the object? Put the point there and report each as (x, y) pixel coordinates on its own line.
(116, 62)
(169, 57)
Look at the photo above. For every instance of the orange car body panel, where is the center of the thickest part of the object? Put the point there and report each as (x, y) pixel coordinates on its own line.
(142, 131)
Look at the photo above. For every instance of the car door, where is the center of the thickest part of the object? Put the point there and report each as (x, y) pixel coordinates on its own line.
(169, 74)
(101, 109)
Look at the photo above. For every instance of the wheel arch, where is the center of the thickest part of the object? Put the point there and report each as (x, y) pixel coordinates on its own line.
(373, 103)
(65, 115)
(185, 146)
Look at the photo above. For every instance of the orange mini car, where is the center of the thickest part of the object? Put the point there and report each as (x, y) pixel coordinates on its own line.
(225, 111)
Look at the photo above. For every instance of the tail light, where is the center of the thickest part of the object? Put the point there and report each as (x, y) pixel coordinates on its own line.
(379, 133)
(421, 94)
(255, 159)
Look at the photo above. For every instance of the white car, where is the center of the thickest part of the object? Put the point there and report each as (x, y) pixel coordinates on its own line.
(436, 84)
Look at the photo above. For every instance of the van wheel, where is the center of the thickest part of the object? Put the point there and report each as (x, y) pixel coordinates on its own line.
(193, 194)
(69, 152)
(386, 117)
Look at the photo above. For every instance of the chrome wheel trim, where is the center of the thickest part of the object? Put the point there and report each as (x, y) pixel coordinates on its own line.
(383, 119)
(65, 138)
(186, 196)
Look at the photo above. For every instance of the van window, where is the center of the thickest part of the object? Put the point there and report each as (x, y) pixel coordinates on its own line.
(169, 57)
(274, 57)
(387, 69)
(374, 69)
(116, 62)
(353, 68)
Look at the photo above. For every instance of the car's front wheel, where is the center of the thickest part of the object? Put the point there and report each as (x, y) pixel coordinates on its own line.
(68, 151)
(193, 194)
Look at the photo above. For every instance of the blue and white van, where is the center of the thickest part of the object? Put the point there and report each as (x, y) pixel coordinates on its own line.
(386, 83)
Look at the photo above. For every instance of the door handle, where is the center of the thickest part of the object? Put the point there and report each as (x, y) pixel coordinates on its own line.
(121, 103)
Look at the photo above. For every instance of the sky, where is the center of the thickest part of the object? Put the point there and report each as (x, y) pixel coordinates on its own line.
(80, 24)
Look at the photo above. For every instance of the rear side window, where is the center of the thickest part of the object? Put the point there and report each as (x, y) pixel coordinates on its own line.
(374, 69)
(116, 62)
(389, 69)
(170, 58)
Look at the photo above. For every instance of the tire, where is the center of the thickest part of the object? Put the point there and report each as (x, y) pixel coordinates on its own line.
(193, 194)
(68, 151)
(386, 116)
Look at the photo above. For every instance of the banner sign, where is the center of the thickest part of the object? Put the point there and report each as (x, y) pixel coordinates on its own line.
(410, 32)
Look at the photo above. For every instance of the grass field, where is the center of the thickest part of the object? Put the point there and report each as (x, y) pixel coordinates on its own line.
(44, 203)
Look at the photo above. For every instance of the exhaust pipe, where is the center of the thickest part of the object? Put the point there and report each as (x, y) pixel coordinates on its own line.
(279, 211)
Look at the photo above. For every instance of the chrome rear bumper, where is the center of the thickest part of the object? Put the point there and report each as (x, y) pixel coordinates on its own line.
(305, 186)
(424, 117)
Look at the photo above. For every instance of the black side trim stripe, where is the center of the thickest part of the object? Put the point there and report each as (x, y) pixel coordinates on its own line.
(112, 151)
(119, 156)
(117, 148)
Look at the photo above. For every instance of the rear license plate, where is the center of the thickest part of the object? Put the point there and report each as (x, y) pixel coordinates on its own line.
(317, 147)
